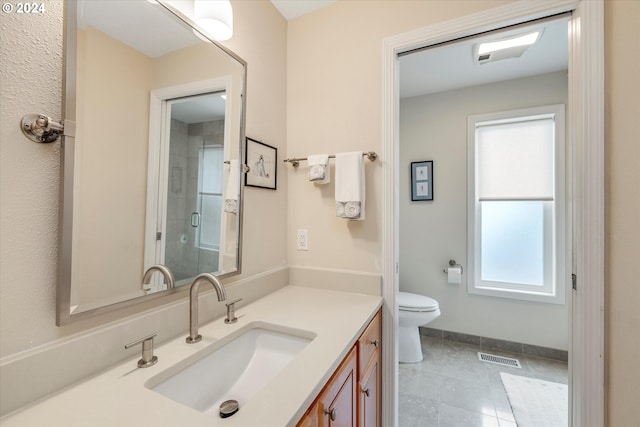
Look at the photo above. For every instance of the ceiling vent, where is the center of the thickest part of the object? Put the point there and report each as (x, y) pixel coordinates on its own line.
(511, 47)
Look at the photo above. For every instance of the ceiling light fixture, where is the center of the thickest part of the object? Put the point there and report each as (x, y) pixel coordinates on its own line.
(215, 17)
(525, 40)
(512, 47)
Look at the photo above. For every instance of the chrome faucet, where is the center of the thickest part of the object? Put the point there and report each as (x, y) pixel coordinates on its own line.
(168, 275)
(194, 337)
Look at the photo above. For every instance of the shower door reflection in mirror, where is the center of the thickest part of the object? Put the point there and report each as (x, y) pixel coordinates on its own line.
(191, 234)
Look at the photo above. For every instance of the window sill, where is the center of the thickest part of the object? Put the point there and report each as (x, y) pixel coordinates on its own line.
(558, 298)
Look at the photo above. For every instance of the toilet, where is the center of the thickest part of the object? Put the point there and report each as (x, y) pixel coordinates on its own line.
(414, 311)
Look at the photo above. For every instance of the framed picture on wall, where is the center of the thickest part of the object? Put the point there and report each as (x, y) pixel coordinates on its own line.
(422, 180)
(262, 161)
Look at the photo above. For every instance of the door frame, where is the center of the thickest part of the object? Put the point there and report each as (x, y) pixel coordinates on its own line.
(585, 126)
(158, 160)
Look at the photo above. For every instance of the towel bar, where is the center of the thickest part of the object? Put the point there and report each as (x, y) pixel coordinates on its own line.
(295, 161)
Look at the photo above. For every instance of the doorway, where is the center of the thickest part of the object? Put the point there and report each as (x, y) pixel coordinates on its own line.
(585, 126)
(189, 134)
(512, 304)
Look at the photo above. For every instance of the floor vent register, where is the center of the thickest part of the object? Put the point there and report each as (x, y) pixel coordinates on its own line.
(499, 360)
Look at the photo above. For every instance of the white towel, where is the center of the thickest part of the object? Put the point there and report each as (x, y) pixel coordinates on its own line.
(350, 185)
(233, 188)
(319, 171)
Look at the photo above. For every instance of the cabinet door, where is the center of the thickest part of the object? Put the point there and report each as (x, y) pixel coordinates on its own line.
(337, 403)
(369, 342)
(370, 393)
(310, 419)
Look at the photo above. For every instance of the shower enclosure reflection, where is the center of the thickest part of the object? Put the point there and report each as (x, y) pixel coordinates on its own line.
(194, 231)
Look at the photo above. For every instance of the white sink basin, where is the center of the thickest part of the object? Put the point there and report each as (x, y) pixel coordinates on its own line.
(236, 367)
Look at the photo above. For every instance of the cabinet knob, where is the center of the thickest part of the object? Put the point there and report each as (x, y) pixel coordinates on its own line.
(376, 343)
(333, 413)
(366, 392)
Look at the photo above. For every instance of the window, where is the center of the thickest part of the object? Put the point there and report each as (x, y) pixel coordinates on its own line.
(209, 197)
(516, 204)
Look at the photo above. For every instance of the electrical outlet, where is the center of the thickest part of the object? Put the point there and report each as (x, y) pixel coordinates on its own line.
(303, 240)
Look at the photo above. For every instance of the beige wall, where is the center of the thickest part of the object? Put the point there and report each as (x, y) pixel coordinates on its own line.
(109, 213)
(31, 81)
(622, 138)
(434, 127)
(259, 35)
(334, 104)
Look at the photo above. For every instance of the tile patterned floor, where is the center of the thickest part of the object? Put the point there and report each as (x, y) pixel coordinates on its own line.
(452, 388)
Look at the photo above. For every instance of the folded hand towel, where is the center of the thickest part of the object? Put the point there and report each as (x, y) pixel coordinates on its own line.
(319, 171)
(233, 188)
(350, 185)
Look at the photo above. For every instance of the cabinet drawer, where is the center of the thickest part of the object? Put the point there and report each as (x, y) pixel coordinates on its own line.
(369, 342)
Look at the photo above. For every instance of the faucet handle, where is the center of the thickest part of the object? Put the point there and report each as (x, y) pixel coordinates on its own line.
(148, 359)
(231, 311)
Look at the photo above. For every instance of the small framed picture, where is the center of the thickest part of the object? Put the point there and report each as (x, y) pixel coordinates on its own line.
(262, 161)
(422, 180)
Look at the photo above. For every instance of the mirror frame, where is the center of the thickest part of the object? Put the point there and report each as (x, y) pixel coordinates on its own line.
(67, 162)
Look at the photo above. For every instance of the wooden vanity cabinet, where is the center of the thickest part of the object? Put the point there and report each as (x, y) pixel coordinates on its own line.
(352, 397)
(370, 374)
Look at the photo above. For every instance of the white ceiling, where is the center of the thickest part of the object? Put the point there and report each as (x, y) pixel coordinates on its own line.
(451, 66)
(141, 25)
(292, 9)
(198, 109)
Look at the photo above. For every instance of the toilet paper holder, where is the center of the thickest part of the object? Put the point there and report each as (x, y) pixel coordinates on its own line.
(453, 263)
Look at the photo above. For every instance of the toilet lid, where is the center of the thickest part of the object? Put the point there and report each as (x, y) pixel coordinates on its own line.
(414, 302)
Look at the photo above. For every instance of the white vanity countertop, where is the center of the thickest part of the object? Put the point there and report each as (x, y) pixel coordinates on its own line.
(118, 397)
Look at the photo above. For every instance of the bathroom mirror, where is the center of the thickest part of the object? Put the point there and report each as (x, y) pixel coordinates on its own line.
(151, 158)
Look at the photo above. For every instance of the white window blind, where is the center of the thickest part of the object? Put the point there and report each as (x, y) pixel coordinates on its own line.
(515, 160)
(516, 208)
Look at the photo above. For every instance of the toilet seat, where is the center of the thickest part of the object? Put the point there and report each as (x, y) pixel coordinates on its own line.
(416, 303)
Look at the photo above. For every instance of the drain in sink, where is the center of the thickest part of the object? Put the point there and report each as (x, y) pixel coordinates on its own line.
(228, 408)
